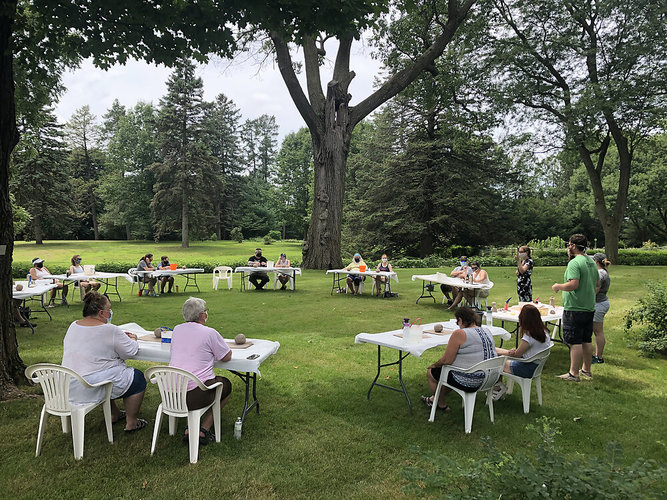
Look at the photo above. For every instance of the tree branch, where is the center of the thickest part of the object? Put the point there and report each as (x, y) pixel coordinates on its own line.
(313, 81)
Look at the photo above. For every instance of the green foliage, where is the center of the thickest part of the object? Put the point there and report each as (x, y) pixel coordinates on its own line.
(646, 322)
(21, 217)
(552, 242)
(236, 234)
(649, 245)
(267, 240)
(543, 473)
(274, 235)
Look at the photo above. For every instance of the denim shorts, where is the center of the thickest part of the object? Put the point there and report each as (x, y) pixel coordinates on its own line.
(138, 384)
(577, 327)
(601, 308)
(523, 370)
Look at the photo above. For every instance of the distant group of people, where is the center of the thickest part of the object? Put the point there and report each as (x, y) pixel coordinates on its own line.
(146, 264)
(260, 277)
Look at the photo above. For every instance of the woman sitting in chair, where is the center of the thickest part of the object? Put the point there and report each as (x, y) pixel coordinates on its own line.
(38, 271)
(385, 266)
(195, 347)
(354, 280)
(283, 278)
(77, 268)
(479, 276)
(467, 346)
(535, 339)
(97, 350)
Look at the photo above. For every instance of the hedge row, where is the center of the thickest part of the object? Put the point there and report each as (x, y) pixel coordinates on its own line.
(542, 258)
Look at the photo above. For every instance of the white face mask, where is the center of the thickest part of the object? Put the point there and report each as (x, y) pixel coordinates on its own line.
(523, 255)
(110, 316)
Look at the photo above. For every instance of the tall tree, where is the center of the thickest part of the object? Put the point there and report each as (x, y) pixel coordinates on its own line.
(183, 178)
(595, 70)
(294, 183)
(83, 135)
(331, 119)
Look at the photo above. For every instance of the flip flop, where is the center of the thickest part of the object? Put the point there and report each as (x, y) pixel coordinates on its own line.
(429, 404)
(141, 423)
(120, 417)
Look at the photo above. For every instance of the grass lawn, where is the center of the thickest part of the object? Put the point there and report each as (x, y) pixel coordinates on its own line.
(317, 436)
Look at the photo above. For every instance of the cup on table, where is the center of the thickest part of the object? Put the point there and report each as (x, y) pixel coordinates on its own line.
(362, 268)
(172, 267)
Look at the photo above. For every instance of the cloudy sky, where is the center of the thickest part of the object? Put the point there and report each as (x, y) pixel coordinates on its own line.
(255, 90)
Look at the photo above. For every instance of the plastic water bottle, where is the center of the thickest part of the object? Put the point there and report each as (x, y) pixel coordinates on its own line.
(406, 329)
(489, 316)
(238, 428)
(29, 281)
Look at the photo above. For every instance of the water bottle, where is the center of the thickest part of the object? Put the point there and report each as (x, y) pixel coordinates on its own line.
(489, 316)
(238, 428)
(406, 329)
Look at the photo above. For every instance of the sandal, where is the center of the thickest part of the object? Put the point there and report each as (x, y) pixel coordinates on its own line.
(208, 437)
(428, 401)
(141, 423)
(121, 416)
(586, 375)
(569, 377)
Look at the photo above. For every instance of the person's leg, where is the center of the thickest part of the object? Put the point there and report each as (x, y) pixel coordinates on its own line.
(151, 284)
(576, 356)
(457, 298)
(586, 357)
(350, 284)
(132, 405)
(265, 280)
(163, 282)
(445, 289)
(65, 289)
(433, 385)
(600, 341)
(171, 284)
(96, 285)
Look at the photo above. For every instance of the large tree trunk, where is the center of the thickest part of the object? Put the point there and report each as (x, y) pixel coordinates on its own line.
(37, 228)
(128, 232)
(11, 366)
(331, 121)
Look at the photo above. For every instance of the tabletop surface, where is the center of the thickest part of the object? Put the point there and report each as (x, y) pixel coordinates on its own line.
(160, 352)
(33, 291)
(266, 269)
(448, 280)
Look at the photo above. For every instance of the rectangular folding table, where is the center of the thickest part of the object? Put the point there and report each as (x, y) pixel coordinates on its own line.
(553, 320)
(190, 275)
(246, 369)
(37, 290)
(109, 280)
(246, 271)
(341, 275)
(443, 279)
(391, 341)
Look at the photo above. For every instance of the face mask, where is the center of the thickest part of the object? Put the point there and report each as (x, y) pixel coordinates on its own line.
(357, 259)
(78, 261)
(110, 316)
(39, 266)
(384, 260)
(523, 255)
(258, 254)
(464, 263)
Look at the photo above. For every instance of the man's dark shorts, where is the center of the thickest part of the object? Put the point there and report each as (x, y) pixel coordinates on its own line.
(578, 327)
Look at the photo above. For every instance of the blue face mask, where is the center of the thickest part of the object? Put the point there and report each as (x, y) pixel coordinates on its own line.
(110, 315)
(464, 263)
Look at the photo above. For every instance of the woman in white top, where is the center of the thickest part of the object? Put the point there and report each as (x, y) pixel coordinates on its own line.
(534, 339)
(479, 276)
(39, 271)
(283, 278)
(77, 268)
(97, 350)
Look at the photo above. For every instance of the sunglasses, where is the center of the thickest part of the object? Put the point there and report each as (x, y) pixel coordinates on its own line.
(474, 268)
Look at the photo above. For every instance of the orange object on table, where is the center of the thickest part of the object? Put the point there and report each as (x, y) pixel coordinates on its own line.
(173, 267)
(362, 268)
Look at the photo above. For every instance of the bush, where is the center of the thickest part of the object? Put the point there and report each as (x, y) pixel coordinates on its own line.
(274, 235)
(553, 242)
(236, 235)
(543, 472)
(646, 322)
(267, 240)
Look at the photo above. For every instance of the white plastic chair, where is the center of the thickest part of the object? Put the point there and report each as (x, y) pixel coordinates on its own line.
(525, 383)
(275, 280)
(173, 385)
(135, 278)
(55, 382)
(492, 369)
(221, 273)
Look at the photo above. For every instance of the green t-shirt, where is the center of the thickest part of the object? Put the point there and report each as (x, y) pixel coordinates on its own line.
(581, 268)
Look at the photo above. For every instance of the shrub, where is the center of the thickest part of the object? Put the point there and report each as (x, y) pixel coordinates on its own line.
(552, 242)
(236, 235)
(267, 240)
(646, 322)
(542, 472)
(274, 235)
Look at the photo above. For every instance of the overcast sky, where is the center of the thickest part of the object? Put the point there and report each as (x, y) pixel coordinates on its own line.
(255, 90)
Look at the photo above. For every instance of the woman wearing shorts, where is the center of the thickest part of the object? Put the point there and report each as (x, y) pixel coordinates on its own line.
(534, 339)
(195, 347)
(97, 350)
(601, 306)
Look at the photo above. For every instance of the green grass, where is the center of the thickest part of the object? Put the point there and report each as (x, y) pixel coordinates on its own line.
(316, 435)
(94, 252)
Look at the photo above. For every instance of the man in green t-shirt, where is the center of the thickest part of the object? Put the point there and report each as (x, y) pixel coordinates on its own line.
(581, 284)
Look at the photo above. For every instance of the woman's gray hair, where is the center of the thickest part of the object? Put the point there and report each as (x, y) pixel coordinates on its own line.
(193, 308)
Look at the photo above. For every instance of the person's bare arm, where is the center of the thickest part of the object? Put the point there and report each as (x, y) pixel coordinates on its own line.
(570, 286)
(455, 341)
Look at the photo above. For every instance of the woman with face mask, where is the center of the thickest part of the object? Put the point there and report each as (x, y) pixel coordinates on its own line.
(524, 269)
(77, 268)
(383, 266)
(354, 280)
(195, 347)
(97, 350)
(39, 271)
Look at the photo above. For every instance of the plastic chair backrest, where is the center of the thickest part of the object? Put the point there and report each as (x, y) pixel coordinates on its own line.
(173, 385)
(133, 272)
(222, 271)
(55, 382)
(492, 369)
(540, 358)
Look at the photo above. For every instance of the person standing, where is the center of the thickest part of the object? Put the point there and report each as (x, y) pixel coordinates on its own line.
(581, 283)
(524, 269)
(258, 278)
(601, 306)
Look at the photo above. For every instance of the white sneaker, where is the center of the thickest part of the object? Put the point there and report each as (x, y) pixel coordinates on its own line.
(499, 391)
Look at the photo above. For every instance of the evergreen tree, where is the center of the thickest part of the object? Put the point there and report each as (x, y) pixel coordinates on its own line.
(183, 178)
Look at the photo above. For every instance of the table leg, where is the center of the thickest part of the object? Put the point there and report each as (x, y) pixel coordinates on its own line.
(247, 377)
(429, 289)
(403, 390)
(107, 285)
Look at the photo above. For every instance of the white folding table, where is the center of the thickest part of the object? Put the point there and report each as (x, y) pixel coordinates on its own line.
(109, 280)
(341, 274)
(443, 279)
(391, 341)
(246, 272)
(246, 369)
(37, 288)
(190, 275)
